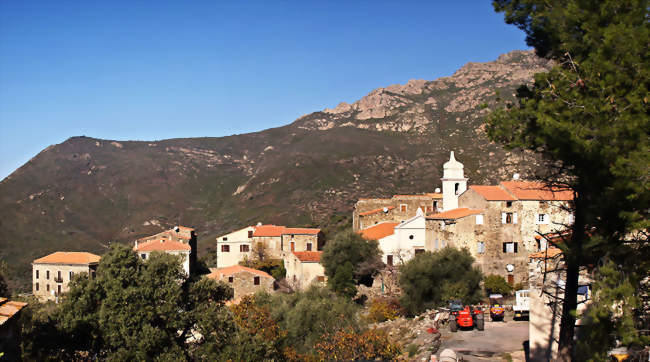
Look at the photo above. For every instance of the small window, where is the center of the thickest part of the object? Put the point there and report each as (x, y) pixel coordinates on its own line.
(510, 248)
(225, 238)
(456, 188)
(402, 208)
(71, 275)
(320, 278)
(256, 280)
(509, 218)
(508, 203)
(411, 237)
(308, 246)
(250, 234)
(481, 247)
(293, 246)
(37, 287)
(389, 260)
(435, 204)
(58, 275)
(47, 275)
(225, 248)
(479, 219)
(244, 248)
(48, 287)
(36, 274)
(231, 279)
(58, 289)
(542, 219)
(419, 251)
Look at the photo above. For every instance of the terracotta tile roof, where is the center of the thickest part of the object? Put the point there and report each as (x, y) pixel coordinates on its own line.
(221, 273)
(366, 213)
(170, 234)
(8, 309)
(162, 245)
(379, 231)
(411, 196)
(493, 193)
(308, 256)
(533, 190)
(308, 231)
(186, 228)
(551, 252)
(72, 257)
(269, 230)
(435, 195)
(454, 214)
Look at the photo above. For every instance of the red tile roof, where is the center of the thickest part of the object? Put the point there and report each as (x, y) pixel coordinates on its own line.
(308, 231)
(221, 273)
(308, 256)
(413, 196)
(454, 214)
(493, 193)
(379, 231)
(8, 309)
(268, 230)
(551, 252)
(533, 190)
(366, 213)
(435, 195)
(73, 257)
(162, 245)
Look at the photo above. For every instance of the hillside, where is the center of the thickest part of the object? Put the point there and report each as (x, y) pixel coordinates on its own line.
(85, 192)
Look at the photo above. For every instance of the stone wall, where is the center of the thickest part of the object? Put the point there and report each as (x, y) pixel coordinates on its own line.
(397, 214)
(54, 285)
(300, 242)
(243, 283)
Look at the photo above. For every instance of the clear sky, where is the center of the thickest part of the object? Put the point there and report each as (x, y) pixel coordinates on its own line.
(149, 70)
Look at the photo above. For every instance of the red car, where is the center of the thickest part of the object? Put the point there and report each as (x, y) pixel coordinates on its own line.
(466, 318)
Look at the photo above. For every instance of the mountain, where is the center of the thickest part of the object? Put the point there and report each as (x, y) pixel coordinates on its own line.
(85, 192)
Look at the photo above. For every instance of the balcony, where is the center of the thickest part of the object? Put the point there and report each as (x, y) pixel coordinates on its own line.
(58, 279)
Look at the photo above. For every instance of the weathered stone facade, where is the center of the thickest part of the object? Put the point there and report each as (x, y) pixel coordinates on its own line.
(368, 212)
(243, 280)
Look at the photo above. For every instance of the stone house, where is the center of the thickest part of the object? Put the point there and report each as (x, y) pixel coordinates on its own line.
(368, 212)
(164, 245)
(278, 242)
(52, 273)
(182, 234)
(10, 329)
(243, 280)
(304, 268)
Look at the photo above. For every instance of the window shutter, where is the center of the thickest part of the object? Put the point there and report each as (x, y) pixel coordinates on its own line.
(515, 247)
(503, 217)
(504, 247)
(514, 217)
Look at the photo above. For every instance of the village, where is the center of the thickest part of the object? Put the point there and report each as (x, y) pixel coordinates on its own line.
(509, 229)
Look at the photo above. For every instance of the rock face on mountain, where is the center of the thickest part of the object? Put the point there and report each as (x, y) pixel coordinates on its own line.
(85, 193)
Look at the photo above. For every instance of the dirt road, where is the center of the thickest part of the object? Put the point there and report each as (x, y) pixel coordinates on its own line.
(499, 341)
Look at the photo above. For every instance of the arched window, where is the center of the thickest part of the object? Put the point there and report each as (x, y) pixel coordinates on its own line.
(456, 187)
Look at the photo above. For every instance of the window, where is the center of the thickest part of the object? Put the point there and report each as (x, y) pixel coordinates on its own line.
(510, 248)
(419, 251)
(429, 209)
(58, 275)
(389, 260)
(225, 248)
(47, 275)
(71, 274)
(435, 204)
(250, 234)
(542, 219)
(511, 279)
(308, 246)
(256, 280)
(479, 219)
(508, 203)
(244, 248)
(456, 188)
(320, 278)
(231, 279)
(225, 238)
(293, 246)
(143, 256)
(37, 274)
(402, 208)
(508, 217)
(58, 289)
(48, 287)
(36, 286)
(481, 247)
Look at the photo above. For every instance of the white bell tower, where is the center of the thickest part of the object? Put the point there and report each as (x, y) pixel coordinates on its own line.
(454, 183)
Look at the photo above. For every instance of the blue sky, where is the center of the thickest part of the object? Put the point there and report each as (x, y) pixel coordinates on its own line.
(136, 70)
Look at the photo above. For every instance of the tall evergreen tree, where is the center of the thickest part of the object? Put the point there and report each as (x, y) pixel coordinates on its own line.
(589, 117)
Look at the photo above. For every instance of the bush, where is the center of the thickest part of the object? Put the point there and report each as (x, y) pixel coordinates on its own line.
(349, 345)
(383, 309)
(496, 284)
(431, 279)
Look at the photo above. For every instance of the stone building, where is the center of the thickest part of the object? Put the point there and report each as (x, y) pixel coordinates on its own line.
(278, 241)
(165, 245)
(243, 280)
(182, 234)
(368, 212)
(52, 273)
(10, 329)
(304, 268)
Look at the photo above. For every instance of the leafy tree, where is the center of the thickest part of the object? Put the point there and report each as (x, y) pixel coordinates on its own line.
(496, 284)
(350, 247)
(589, 117)
(343, 281)
(350, 345)
(431, 279)
(4, 288)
